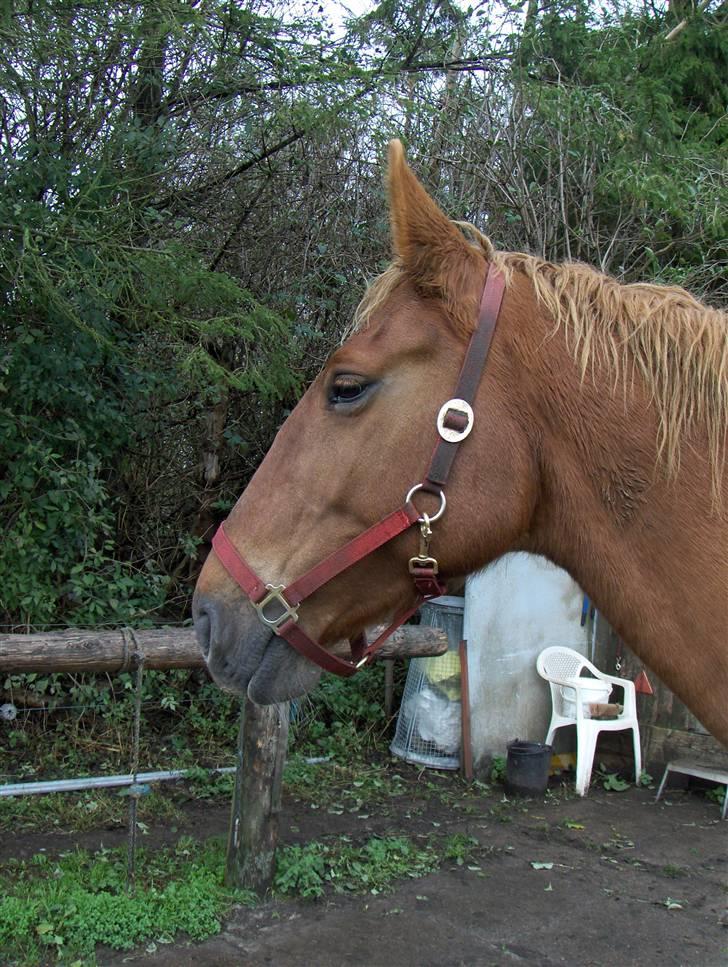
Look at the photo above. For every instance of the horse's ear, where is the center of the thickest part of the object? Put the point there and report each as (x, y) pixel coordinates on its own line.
(431, 248)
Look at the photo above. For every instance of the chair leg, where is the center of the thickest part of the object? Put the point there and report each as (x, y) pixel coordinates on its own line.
(637, 754)
(586, 743)
(550, 734)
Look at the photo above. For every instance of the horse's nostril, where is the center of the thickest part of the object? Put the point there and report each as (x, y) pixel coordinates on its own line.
(203, 628)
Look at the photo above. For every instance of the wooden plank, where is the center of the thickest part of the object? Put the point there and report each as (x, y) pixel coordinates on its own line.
(411, 641)
(262, 742)
(662, 745)
(78, 650)
(388, 687)
(466, 742)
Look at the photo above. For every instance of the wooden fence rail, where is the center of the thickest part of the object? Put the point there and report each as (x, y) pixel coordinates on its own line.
(75, 650)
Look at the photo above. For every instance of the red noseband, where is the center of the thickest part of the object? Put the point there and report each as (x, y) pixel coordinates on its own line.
(277, 606)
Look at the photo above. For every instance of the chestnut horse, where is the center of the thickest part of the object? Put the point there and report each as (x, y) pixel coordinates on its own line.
(598, 441)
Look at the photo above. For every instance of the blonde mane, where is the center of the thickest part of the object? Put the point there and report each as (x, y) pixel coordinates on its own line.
(677, 345)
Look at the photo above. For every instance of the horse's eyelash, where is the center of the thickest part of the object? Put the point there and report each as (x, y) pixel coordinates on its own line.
(346, 380)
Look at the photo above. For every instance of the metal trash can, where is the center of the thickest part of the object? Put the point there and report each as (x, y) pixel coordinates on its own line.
(429, 720)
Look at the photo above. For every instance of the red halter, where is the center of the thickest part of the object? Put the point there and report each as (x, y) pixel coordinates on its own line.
(454, 423)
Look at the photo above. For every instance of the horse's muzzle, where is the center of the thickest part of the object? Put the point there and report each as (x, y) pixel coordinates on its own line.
(244, 656)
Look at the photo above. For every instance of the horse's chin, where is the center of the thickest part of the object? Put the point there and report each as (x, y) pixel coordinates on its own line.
(282, 674)
(266, 669)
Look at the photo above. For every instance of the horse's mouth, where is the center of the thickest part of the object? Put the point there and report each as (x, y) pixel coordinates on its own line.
(246, 658)
(282, 674)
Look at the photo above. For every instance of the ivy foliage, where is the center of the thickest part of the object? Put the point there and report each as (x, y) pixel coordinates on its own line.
(107, 316)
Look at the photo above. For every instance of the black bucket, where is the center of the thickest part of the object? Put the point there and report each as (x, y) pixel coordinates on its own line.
(527, 768)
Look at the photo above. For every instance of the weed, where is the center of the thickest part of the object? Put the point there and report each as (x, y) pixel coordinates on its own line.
(460, 848)
(352, 784)
(204, 784)
(716, 794)
(301, 870)
(501, 811)
(82, 810)
(371, 868)
(498, 768)
(611, 781)
(84, 728)
(78, 900)
(344, 717)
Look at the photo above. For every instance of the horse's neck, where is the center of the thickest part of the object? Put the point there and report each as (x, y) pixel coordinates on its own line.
(647, 550)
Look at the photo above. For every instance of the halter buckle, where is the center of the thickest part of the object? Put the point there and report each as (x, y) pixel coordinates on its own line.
(451, 434)
(275, 593)
(418, 562)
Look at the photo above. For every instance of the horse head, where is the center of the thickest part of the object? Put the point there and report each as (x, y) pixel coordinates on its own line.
(359, 440)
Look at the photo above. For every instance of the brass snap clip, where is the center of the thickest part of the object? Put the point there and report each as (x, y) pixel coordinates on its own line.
(423, 560)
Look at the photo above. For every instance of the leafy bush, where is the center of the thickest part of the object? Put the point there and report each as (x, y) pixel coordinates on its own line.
(342, 717)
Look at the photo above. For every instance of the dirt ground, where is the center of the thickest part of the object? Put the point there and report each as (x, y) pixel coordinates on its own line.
(619, 862)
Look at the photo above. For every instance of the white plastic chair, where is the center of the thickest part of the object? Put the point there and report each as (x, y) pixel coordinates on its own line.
(571, 695)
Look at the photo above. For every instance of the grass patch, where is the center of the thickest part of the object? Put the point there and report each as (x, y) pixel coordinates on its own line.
(81, 811)
(60, 909)
(340, 865)
(347, 785)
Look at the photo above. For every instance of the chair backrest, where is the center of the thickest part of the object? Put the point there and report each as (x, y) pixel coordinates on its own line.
(560, 662)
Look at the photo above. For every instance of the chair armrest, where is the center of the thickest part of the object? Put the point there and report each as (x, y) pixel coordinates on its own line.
(630, 696)
(614, 680)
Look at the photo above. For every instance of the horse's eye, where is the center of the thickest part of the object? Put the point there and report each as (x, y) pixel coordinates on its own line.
(347, 389)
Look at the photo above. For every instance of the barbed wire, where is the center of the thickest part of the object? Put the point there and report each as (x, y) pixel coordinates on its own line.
(32, 709)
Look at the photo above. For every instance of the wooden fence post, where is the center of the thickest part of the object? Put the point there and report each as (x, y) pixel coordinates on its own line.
(256, 805)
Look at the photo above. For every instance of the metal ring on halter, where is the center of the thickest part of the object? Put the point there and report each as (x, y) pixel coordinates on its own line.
(440, 510)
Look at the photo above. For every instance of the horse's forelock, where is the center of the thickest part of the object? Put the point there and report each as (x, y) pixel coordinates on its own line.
(381, 288)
